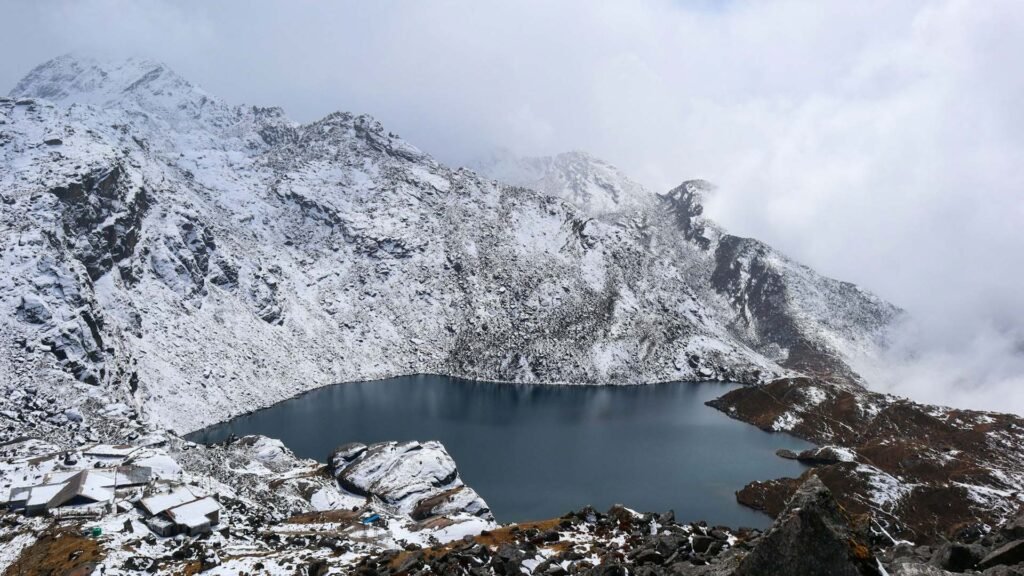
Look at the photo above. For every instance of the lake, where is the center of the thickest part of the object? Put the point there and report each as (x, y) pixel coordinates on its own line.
(537, 451)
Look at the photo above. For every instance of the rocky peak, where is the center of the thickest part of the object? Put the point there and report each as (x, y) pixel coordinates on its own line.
(692, 194)
(590, 183)
(686, 203)
(77, 79)
(345, 135)
(145, 87)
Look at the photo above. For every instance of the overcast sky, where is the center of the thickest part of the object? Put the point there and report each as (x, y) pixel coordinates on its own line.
(879, 142)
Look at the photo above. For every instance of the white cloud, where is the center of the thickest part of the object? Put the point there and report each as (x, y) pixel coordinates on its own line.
(880, 142)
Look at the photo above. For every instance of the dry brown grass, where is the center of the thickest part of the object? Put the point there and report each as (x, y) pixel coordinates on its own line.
(495, 538)
(860, 551)
(490, 538)
(320, 472)
(328, 516)
(58, 552)
(190, 568)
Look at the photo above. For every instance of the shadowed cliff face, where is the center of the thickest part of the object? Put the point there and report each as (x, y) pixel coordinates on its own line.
(102, 216)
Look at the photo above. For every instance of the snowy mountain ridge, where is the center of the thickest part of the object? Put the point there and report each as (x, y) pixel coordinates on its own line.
(72, 79)
(591, 184)
(180, 260)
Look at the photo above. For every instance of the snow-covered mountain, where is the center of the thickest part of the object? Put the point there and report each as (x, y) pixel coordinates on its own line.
(172, 260)
(171, 256)
(590, 184)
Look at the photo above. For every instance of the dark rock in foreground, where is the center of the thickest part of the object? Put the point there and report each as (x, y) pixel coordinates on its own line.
(958, 557)
(585, 542)
(812, 536)
(1007, 554)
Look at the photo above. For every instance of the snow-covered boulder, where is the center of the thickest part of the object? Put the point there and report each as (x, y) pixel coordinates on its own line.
(419, 479)
(827, 455)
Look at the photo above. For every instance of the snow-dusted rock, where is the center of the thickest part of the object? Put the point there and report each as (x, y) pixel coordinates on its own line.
(450, 502)
(592, 184)
(419, 479)
(269, 452)
(827, 455)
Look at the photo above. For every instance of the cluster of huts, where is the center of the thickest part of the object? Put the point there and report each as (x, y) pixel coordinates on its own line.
(86, 489)
(179, 511)
(70, 489)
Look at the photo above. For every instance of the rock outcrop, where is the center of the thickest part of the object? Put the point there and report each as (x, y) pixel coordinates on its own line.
(811, 536)
(1008, 554)
(416, 479)
(585, 542)
(826, 455)
(923, 472)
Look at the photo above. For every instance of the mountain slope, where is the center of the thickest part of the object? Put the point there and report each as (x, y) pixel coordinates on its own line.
(594, 186)
(815, 322)
(178, 259)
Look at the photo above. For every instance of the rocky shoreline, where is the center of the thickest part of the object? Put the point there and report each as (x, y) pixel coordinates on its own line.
(400, 508)
(925, 473)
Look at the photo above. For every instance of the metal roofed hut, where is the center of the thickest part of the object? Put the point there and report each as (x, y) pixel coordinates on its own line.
(179, 511)
(76, 488)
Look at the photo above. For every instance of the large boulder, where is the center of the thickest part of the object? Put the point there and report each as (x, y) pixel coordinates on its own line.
(958, 557)
(1006, 555)
(916, 569)
(1005, 571)
(346, 453)
(1014, 528)
(811, 536)
(826, 455)
(418, 479)
(451, 501)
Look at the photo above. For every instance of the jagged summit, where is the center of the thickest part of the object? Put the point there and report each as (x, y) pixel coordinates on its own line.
(686, 203)
(598, 187)
(167, 111)
(594, 185)
(696, 188)
(78, 79)
(173, 116)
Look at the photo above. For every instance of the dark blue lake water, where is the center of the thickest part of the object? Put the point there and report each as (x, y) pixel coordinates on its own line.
(536, 452)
